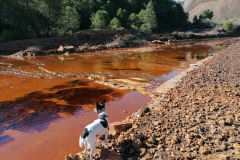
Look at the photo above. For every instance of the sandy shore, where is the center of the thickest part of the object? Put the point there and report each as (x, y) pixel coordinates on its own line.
(194, 116)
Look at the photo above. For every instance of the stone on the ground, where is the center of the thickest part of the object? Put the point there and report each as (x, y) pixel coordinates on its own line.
(116, 127)
(109, 155)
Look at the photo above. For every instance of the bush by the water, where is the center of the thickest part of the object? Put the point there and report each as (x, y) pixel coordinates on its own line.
(231, 25)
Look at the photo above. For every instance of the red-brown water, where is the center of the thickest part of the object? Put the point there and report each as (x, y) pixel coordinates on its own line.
(45, 102)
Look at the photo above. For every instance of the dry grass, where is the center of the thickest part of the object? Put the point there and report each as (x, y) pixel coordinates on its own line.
(116, 43)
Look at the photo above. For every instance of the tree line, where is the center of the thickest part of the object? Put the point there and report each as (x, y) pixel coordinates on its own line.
(20, 19)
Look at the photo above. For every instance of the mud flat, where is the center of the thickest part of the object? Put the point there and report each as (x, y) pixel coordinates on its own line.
(194, 116)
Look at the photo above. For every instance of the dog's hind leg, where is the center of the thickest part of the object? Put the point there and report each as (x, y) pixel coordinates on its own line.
(106, 139)
(86, 146)
(92, 148)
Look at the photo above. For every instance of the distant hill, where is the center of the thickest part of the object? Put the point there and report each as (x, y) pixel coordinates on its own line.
(221, 8)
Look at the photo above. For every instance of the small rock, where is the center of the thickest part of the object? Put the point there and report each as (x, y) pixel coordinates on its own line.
(236, 146)
(139, 136)
(223, 156)
(223, 146)
(117, 127)
(147, 157)
(152, 139)
(143, 111)
(231, 140)
(188, 156)
(121, 140)
(204, 150)
(69, 48)
(182, 149)
(200, 141)
(143, 151)
(229, 120)
(137, 144)
(152, 151)
(148, 144)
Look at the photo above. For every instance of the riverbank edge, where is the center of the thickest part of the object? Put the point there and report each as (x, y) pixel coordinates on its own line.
(90, 40)
(163, 90)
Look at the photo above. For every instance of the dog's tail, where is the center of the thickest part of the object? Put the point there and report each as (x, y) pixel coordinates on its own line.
(81, 141)
(84, 135)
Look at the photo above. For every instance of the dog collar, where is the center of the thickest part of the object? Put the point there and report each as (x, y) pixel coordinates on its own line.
(102, 117)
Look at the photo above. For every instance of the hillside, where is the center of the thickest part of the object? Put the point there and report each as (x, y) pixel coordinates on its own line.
(221, 8)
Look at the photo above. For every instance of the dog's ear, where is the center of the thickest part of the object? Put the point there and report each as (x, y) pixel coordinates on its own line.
(103, 103)
(97, 105)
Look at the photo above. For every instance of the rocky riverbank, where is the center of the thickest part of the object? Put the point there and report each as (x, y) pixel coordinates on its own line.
(197, 119)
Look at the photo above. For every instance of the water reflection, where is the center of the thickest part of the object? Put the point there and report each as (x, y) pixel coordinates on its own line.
(5, 139)
(40, 108)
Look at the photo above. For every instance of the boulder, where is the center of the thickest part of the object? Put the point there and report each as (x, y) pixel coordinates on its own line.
(69, 48)
(116, 127)
(60, 49)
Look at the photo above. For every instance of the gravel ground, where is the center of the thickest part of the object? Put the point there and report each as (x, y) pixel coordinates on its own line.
(198, 119)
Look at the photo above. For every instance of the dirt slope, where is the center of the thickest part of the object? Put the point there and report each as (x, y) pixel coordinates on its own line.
(221, 8)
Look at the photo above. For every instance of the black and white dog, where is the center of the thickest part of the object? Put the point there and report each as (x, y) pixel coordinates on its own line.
(99, 127)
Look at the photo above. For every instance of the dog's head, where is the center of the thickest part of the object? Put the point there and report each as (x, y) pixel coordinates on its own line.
(100, 107)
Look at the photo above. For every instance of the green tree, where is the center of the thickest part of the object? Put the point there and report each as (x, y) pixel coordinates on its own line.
(207, 14)
(115, 23)
(140, 15)
(100, 19)
(69, 22)
(85, 9)
(134, 22)
(122, 16)
(148, 18)
(146, 28)
(17, 19)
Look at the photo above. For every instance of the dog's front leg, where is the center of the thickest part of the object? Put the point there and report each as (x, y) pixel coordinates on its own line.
(106, 139)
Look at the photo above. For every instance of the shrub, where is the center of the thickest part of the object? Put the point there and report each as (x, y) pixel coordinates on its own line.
(207, 23)
(228, 26)
(207, 14)
(236, 24)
